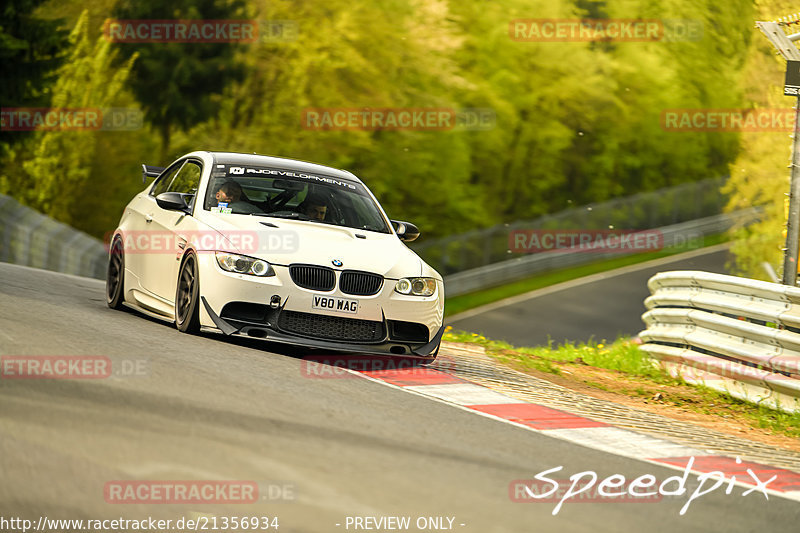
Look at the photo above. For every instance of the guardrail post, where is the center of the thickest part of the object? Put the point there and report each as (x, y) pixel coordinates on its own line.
(793, 221)
(784, 44)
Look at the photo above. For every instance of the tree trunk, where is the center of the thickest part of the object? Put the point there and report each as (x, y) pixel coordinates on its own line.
(165, 134)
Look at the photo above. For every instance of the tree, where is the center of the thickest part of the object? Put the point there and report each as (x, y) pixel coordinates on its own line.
(577, 122)
(62, 159)
(179, 84)
(31, 49)
(759, 176)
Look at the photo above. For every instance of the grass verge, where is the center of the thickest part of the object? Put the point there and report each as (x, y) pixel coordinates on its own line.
(464, 302)
(623, 369)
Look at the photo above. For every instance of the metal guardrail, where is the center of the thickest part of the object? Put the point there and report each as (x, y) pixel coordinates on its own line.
(530, 264)
(735, 335)
(30, 238)
(652, 209)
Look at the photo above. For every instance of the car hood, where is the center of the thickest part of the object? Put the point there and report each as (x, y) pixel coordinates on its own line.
(283, 242)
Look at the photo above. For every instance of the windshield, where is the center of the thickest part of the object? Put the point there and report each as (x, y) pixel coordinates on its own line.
(277, 193)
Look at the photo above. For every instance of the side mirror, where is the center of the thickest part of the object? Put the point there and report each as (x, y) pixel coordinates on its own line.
(405, 230)
(173, 201)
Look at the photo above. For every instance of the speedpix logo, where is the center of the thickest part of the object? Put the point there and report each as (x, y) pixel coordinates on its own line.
(617, 488)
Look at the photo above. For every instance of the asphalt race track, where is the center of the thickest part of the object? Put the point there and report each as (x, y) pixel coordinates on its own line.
(599, 307)
(320, 450)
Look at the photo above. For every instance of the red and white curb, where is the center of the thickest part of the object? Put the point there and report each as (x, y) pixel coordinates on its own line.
(580, 430)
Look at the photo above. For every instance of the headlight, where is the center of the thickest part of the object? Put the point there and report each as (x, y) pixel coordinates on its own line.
(416, 286)
(241, 264)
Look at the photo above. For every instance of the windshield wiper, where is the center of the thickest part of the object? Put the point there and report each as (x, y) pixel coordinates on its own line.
(298, 216)
(294, 216)
(279, 215)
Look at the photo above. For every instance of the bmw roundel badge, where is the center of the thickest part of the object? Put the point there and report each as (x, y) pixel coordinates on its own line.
(337, 263)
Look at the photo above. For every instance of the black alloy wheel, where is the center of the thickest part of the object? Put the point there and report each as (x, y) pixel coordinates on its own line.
(187, 308)
(115, 275)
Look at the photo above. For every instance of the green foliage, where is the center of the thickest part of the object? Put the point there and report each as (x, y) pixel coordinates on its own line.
(31, 48)
(62, 160)
(576, 122)
(622, 355)
(178, 84)
(759, 176)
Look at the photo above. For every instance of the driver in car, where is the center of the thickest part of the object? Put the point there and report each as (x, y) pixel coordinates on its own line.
(231, 193)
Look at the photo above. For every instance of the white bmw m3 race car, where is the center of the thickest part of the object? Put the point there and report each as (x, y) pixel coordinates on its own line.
(274, 248)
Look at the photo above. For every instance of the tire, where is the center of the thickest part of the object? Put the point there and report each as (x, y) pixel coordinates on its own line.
(115, 276)
(187, 296)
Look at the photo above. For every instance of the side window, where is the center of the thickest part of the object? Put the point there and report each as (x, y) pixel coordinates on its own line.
(188, 179)
(163, 182)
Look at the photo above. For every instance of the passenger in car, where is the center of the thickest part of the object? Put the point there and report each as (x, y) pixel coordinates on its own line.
(314, 207)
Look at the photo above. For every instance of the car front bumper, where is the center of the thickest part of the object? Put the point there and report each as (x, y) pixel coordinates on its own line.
(278, 310)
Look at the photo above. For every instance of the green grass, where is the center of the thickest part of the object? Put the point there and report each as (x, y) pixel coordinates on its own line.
(625, 356)
(464, 302)
(622, 355)
(758, 415)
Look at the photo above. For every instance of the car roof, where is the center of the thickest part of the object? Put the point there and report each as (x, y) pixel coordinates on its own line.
(235, 158)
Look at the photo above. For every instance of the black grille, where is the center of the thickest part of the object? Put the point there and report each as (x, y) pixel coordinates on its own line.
(331, 327)
(360, 283)
(408, 331)
(245, 312)
(312, 277)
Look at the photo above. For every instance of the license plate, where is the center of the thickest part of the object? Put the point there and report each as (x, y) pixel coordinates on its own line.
(328, 303)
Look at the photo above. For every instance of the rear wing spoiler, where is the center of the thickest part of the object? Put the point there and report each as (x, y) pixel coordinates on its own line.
(150, 172)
